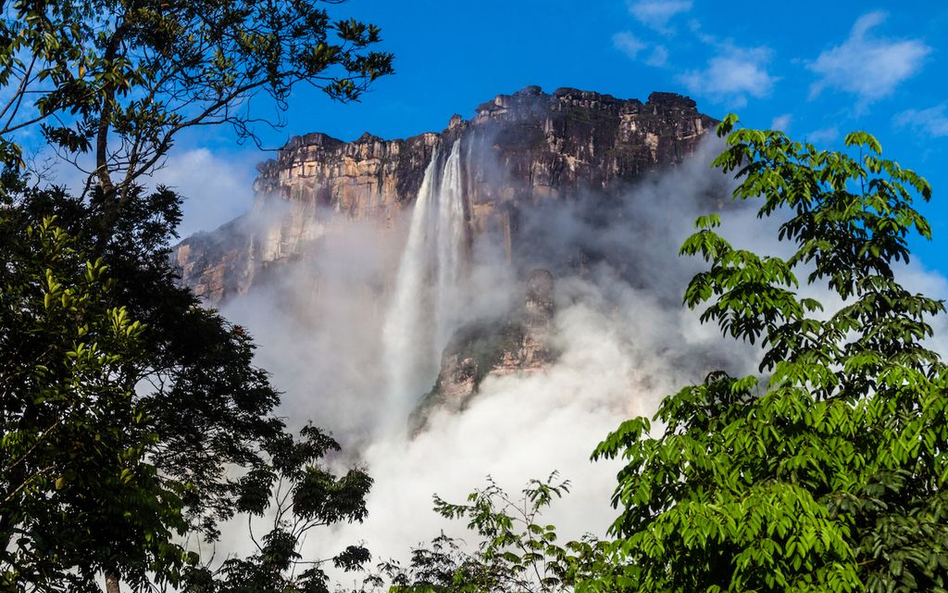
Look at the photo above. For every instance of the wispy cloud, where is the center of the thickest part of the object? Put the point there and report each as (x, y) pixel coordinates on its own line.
(781, 122)
(732, 75)
(658, 57)
(633, 48)
(823, 135)
(628, 44)
(216, 187)
(865, 65)
(932, 121)
(657, 14)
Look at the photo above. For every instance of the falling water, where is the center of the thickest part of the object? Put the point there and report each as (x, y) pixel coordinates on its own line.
(449, 241)
(422, 313)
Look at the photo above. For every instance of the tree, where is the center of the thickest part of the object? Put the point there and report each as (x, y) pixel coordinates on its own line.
(121, 78)
(828, 473)
(121, 437)
(515, 552)
(301, 495)
(77, 493)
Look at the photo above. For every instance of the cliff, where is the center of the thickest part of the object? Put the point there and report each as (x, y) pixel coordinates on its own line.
(518, 344)
(518, 151)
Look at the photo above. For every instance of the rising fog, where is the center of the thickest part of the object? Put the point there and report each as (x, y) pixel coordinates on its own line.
(623, 337)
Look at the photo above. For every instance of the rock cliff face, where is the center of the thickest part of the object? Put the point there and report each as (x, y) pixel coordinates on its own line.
(518, 151)
(519, 344)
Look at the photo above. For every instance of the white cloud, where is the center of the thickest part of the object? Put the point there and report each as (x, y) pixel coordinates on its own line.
(823, 135)
(628, 44)
(659, 57)
(932, 121)
(732, 75)
(216, 188)
(867, 66)
(781, 122)
(632, 47)
(656, 14)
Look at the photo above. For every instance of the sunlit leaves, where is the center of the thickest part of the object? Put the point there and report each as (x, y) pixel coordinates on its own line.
(123, 78)
(516, 552)
(78, 493)
(828, 474)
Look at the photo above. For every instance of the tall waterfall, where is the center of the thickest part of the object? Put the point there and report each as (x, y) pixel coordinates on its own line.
(423, 311)
(448, 250)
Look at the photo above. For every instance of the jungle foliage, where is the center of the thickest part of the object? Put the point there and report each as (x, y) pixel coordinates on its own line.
(827, 471)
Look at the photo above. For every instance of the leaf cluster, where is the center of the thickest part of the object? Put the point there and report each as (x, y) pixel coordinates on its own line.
(179, 408)
(296, 493)
(828, 474)
(516, 552)
(121, 78)
(78, 492)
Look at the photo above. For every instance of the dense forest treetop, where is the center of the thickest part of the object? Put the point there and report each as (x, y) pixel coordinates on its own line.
(121, 78)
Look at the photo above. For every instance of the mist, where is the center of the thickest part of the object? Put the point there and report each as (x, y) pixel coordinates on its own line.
(623, 340)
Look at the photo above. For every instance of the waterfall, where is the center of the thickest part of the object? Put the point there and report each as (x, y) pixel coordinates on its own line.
(448, 253)
(422, 312)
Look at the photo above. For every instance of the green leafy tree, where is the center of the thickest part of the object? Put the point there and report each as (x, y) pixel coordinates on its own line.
(190, 413)
(78, 495)
(828, 472)
(515, 552)
(120, 79)
(296, 493)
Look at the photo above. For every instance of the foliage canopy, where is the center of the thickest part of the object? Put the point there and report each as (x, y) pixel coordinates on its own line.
(828, 473)
(77, 492)
(121, 78)
(122, 436)
(126, 405)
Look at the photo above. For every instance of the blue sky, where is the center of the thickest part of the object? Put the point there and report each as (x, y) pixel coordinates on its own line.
(815, 69)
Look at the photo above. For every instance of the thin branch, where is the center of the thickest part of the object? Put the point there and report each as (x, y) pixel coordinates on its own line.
(36, 444)
(18, 96)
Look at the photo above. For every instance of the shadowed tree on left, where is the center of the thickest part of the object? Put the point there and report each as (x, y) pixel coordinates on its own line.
(128, 410)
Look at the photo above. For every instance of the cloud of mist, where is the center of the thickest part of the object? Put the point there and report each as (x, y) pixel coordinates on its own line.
(214, 185)
(624, 340)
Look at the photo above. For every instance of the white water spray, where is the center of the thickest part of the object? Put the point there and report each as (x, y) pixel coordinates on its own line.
(449, 245)
(423, 311)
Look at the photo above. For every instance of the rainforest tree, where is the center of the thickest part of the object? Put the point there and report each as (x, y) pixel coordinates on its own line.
(110, 84)
(828, 471)
(122, 437)
(120, 79)
(77, 496)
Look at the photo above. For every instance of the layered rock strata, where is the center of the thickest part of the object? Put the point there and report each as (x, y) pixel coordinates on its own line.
(518, 151)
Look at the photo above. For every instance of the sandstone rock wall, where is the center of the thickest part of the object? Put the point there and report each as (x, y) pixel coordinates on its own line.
(518, 150)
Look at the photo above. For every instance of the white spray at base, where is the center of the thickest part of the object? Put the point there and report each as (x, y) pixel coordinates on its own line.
(421, 314)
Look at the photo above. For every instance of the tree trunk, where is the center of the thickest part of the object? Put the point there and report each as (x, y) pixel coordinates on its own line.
(6, 531)
(102, 173)
(112, 582)
(102, 148)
